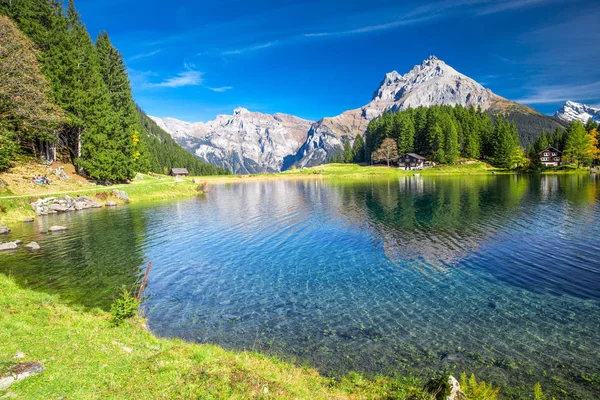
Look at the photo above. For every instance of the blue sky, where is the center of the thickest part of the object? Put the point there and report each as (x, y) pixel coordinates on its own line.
(193, 60)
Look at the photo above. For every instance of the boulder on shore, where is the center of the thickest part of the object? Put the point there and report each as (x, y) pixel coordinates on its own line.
(455, 392)
(57, 228)
(121, 195)
(4, 229)
(32, 246)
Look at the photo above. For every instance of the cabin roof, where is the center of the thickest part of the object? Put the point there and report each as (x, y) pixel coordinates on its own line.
(414, 155)
(550, 148)
(179, 171)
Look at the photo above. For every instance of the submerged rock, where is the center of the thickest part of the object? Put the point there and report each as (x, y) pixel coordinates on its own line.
(29, 220)
(32, 246)
(8, 246)
(18, 372)
(230, 317)
(57, 228)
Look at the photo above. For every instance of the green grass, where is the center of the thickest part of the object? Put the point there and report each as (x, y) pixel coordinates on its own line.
(85, 357)
(16, 208)
(355, 170)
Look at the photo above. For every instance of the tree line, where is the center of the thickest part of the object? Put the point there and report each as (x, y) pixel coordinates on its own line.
(78, 103)
(446, 133)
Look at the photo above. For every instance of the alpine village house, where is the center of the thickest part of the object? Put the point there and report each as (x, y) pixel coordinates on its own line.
(411, 161)
(550, 157)
(177, 172)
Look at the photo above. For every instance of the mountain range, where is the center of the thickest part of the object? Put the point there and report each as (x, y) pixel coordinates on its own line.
(252, 142)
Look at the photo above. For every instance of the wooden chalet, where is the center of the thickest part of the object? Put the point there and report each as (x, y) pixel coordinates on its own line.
(411, 161)
(179, 172)
(550, 157)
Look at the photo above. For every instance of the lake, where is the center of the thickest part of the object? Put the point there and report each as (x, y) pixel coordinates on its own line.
(496, 275)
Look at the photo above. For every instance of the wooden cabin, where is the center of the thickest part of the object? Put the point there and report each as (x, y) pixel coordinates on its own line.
(179, 172)
(550, 157)
(411, 161)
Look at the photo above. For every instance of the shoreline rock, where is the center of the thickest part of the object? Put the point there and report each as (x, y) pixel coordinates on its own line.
(4, 230)
(55, 205)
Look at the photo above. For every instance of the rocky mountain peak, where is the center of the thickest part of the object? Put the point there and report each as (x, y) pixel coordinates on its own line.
(572, 111)
(240, 110)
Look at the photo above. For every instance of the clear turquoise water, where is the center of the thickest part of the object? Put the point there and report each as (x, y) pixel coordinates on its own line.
(496, 275)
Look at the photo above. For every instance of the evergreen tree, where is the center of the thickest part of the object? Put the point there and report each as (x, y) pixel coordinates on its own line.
(358, 149)
(450, 139)
(126, 134)
(347, 155)
(405, 129)
(579, 147)
(505, 144)
(591, 125)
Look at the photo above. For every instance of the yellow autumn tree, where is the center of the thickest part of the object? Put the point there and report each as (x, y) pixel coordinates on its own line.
(593, 140)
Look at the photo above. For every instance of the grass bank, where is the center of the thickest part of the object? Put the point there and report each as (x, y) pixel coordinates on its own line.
(358, 171)
(86, 357)
(15, 207)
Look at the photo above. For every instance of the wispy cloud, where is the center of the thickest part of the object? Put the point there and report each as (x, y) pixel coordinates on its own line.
(144, 55)
(220, 89)
(250, 48)
(406, 17)
(501, 6)
(371, 28)
(560, 93)
(189, 77)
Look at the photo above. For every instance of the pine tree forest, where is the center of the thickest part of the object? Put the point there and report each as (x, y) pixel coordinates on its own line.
(67, 97)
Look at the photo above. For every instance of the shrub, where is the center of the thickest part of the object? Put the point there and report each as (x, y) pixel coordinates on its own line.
(123, 307)
(477, 390)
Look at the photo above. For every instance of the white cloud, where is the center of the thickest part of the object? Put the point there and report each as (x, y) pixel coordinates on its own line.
(500, 6)
(220, 89)
(144, 55)
(254, 47)
(189, 77)
(560, 93)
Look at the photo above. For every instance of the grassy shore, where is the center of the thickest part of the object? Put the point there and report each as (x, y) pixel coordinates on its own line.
(85, 357)
(15, 207)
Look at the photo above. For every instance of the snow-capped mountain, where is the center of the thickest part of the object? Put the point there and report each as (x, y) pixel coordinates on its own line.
(245, 142)
(572, 111)
(433, 82)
